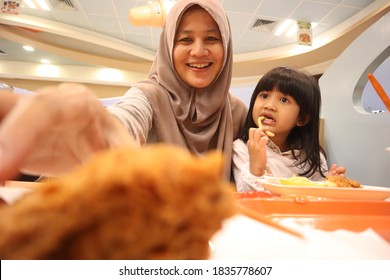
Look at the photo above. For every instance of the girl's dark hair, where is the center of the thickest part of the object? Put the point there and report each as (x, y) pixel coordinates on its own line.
(305, 90)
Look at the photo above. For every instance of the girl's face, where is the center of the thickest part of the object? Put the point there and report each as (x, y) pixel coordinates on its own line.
(280, 111)
(198, 49)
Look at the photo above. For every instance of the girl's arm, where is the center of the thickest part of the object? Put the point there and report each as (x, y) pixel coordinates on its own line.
(257, 151)
(245, 181)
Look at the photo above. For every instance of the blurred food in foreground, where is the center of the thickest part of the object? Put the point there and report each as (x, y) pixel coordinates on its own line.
(2, 202)
(157, 202)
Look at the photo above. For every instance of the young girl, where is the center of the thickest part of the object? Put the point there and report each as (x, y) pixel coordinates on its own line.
(287, 103)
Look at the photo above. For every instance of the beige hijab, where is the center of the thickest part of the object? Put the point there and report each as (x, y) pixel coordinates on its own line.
(198, 119)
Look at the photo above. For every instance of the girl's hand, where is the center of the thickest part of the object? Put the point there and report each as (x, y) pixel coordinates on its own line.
(57, 128)
(336, 170)
(257, 151)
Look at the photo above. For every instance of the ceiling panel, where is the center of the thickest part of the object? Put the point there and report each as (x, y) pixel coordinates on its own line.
(102, 28)
(340, 14)
(357, 3)
(238, 7)
(284, 8)
(312, 11)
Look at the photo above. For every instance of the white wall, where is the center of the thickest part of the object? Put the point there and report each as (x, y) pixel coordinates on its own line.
(244, 92)
(354, 138)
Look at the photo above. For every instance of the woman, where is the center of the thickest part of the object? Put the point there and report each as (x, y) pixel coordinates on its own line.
(185, 102)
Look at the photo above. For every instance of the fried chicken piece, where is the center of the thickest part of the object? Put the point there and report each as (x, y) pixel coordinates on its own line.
(157, 202)
(2, 202)
(341, 182)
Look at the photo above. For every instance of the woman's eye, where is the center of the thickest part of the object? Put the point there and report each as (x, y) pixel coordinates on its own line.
(212, 39)
(183, 39)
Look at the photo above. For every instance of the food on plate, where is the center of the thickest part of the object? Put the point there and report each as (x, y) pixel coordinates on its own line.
(330, 181)
(269, 133)
(301, 181)
(156, 202)
(341, 182)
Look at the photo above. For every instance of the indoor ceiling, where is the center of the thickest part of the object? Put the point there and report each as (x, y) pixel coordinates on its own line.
(87, 35)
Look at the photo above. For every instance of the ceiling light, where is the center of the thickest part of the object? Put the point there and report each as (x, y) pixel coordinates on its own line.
(45, 70)
(168, 4)
(153, 14)
(43, 5)
(28, 48)
(30, 4)
(284, 26)
(109, 74)
(291, 31)
(45, 61)
(34, 4)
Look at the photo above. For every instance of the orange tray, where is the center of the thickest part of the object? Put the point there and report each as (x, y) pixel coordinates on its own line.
(329, 215)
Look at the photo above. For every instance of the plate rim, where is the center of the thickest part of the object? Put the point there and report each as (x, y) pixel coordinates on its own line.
(384, 192)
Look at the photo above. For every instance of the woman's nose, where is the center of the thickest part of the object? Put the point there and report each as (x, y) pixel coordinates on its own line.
(199, 49)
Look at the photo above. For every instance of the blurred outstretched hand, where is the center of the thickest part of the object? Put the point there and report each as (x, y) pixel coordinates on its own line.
(53, 130)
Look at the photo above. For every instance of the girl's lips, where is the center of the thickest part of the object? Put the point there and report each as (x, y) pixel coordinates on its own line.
(268, 120)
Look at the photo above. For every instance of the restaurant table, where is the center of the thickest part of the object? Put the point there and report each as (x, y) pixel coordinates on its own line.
(321, 213)
(330, 229)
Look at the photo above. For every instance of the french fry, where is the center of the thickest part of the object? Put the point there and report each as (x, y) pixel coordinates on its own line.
(269, 133)
(259, 122)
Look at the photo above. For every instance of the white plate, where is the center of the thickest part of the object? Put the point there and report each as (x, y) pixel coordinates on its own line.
(365, 193)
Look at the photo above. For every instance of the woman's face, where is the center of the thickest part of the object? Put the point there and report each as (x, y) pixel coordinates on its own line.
(198, 48)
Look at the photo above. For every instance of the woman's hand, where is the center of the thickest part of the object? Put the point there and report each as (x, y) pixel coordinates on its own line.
(7, 101)
(257, 151)
(57, 128)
